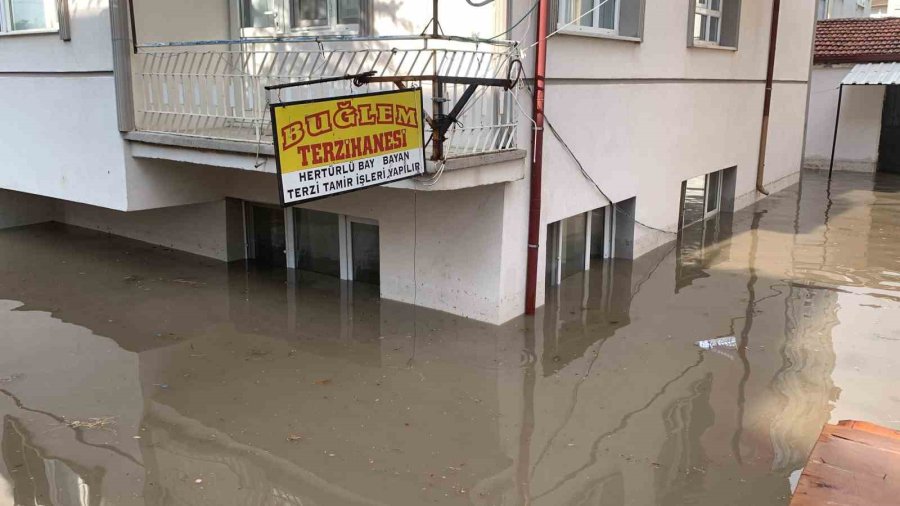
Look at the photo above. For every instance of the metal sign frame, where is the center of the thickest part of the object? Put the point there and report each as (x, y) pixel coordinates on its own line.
(275, 141)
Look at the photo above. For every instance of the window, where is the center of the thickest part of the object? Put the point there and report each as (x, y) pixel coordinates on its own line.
(28, 15)
(714, 23)
(822, 9)
(701, 198)
(303, 17)
(708, 20)
(601, 17)
(574, 241)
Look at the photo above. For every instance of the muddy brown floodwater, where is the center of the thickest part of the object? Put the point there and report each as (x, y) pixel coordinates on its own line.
(698, 374)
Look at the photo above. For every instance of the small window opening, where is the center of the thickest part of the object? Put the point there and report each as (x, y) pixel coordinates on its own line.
(701, 198)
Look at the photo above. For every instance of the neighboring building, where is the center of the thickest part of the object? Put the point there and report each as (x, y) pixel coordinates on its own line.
(837, 9)
(885, 8)
(868, 128)
(166, 138)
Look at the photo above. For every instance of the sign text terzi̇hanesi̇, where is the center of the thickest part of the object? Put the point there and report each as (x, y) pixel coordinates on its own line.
(337, 145)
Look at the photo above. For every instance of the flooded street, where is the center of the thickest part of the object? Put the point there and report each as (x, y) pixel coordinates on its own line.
(700, 373)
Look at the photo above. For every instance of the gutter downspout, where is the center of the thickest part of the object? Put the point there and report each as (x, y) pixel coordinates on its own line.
(767, 102)
(537, 156)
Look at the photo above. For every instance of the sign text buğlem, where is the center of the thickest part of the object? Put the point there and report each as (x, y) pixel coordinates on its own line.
(342, 144)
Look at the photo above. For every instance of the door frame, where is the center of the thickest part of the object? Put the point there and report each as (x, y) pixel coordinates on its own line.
(345, 229)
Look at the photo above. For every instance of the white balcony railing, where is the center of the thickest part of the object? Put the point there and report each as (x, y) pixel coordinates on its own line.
(217, 89)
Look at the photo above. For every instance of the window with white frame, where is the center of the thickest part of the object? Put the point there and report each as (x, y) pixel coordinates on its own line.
(714, 23)
(302, 17)
(28, 16)
(601, 17)
(573, 242)
(708, 21)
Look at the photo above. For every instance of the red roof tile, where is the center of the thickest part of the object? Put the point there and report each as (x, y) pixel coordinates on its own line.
(857, 40)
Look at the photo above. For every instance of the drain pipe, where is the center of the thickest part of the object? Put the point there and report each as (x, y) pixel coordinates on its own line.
(537, 158)
(767, 102)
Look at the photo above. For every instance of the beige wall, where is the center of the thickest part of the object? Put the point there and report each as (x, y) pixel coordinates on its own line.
(859, 130)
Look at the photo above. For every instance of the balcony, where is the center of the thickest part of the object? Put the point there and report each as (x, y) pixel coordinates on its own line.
(216, 90)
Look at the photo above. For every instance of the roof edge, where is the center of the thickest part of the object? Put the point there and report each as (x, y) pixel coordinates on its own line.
(858, 58)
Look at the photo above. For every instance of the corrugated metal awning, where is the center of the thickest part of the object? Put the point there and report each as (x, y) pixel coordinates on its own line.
(873, 73)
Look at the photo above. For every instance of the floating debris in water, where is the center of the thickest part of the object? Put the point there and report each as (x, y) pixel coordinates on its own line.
(719, 342)
(103, 422)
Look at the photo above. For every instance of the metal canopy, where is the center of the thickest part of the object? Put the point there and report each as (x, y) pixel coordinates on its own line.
(860, 75)
(873, 74)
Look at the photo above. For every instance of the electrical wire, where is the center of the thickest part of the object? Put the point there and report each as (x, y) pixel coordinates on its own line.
(570, 23)
(581, 168)
(519, 22)
(478, 4)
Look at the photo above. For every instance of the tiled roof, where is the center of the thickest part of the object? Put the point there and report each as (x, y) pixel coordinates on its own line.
(857, 40)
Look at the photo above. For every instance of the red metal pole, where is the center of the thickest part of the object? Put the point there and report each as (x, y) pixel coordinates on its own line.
(537, 155)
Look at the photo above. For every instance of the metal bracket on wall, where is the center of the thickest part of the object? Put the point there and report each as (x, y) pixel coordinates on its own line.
(441, 123)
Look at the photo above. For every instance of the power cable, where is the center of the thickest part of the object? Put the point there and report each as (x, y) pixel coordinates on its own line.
(570, 23)
(478, 4)
(581, 168)
(517, 23)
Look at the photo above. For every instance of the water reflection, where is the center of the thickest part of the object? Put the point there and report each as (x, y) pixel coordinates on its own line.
(229, 385)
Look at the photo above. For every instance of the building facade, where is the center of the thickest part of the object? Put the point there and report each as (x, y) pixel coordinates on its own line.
(149, 120)
(837, 9)
(863, 137)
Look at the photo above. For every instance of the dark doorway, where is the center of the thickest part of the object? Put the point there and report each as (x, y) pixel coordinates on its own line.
(365, 256)
(889, 146)
(268, 236)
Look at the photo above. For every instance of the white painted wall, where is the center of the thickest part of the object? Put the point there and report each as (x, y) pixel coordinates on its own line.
(642, 117)
(440, 250)
(89, 50)
(62, 140)
(859, 130)
(668, 112)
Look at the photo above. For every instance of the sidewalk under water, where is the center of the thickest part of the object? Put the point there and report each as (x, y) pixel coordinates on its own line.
(699, 374)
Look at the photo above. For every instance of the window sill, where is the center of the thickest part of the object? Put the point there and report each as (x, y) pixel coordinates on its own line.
(597, 34)
(710, 45)
(22, 33)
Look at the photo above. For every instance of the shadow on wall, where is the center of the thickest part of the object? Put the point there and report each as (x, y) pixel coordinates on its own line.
(389, 10)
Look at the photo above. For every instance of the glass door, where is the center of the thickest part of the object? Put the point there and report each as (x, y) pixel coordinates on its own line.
(364, 258)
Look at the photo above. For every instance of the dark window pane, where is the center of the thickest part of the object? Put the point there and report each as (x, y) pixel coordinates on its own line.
(713, 29)
(318, 242)
(306, 13)
(268, 236)
(598, 231)
(712, 203)
(257, 14)
(574, 243)
(608, 15)
(552, 253)
(366, 260)
(349, 12)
